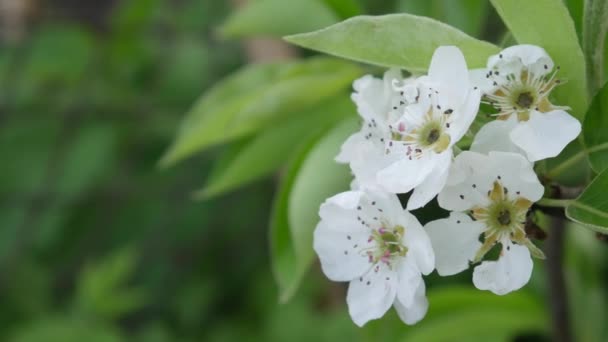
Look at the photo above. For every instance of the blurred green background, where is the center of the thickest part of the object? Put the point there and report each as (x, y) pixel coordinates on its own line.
(98, 244)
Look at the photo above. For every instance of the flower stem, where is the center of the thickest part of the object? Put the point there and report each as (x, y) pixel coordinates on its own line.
(554, 203)
(575, 159)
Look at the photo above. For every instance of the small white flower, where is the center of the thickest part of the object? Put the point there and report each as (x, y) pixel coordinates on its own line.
(490, 196)
(409, 145)
(379, 104)
(518, 82)
(367, 239)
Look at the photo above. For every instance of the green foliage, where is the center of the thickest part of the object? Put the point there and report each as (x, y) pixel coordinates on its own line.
(255, 97)
(466, 15)
(458, 314)
(345, 8)
(591, 208)
(59, 54)
(392, 41)
(88, 158)
(92, 97)
(102, 291)
(295, 208)
(595, 27)
(529, 27)
(277, 18)
(271, 148)
(594, 131)
(65, 329)
(309, 190)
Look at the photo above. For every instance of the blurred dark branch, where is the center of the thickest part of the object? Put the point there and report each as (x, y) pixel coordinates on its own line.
(558, 296)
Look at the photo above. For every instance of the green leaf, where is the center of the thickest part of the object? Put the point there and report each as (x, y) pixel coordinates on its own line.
(277, 18)
(59, 53)
(282, 251)
(594, 131)
(591, 207)
(595, 27)
(466, 314)
(313, 176)
(538, 22)
(271, 148)
(102, 290)
(395, 40)
(254, 97)
(88, 158)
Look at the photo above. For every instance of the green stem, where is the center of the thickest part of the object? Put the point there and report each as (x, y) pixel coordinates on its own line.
(575, 159)
(554, 203)
(595, 27)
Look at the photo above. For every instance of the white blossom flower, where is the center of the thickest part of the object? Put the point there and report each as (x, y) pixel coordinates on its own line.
(367, 239)
(490, 196)
(409, 145)
(518, 82)
(379, 104)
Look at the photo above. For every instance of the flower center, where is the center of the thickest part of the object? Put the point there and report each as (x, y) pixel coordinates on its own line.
(518, 93)
(504, 218)
(389, 245)
(525, 99)
(433, 136)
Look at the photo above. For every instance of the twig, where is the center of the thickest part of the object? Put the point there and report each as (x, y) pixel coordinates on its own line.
(558, 297)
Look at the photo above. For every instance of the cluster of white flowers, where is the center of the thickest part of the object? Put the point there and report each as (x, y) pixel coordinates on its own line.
(408, 143)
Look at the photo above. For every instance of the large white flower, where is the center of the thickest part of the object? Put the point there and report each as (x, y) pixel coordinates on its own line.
(409, 130)
(368, 239)
(490, 196)
(518, 82)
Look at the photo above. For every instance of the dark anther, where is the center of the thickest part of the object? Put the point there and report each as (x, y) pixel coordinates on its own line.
(504, 217)
(525, 99)
(433, 136)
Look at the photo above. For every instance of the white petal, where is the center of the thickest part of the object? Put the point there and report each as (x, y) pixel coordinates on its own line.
(511, 272)
(369, 97)
(345, 200)
(366, 158)
(350, 148)
(496, 136)
(545, 135)
(374, 97)
(464, 116)
(516, 174)
(433, 183)
(533, 57)
(455, 242)
(417, 310)
(402, 176)
(409, 280)
(478, 79)
(449, 69)
(461, 190)
(418, 244)
(340, 260)
(370, 296)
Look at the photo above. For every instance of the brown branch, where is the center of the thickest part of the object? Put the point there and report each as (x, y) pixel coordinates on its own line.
(558, 296)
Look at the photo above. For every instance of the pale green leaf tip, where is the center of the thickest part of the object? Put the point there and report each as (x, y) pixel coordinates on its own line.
(204, 194)
(285, 295)
(167, 160)
(292, 38)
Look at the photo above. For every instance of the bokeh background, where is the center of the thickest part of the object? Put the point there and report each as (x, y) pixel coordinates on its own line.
(97, 243)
